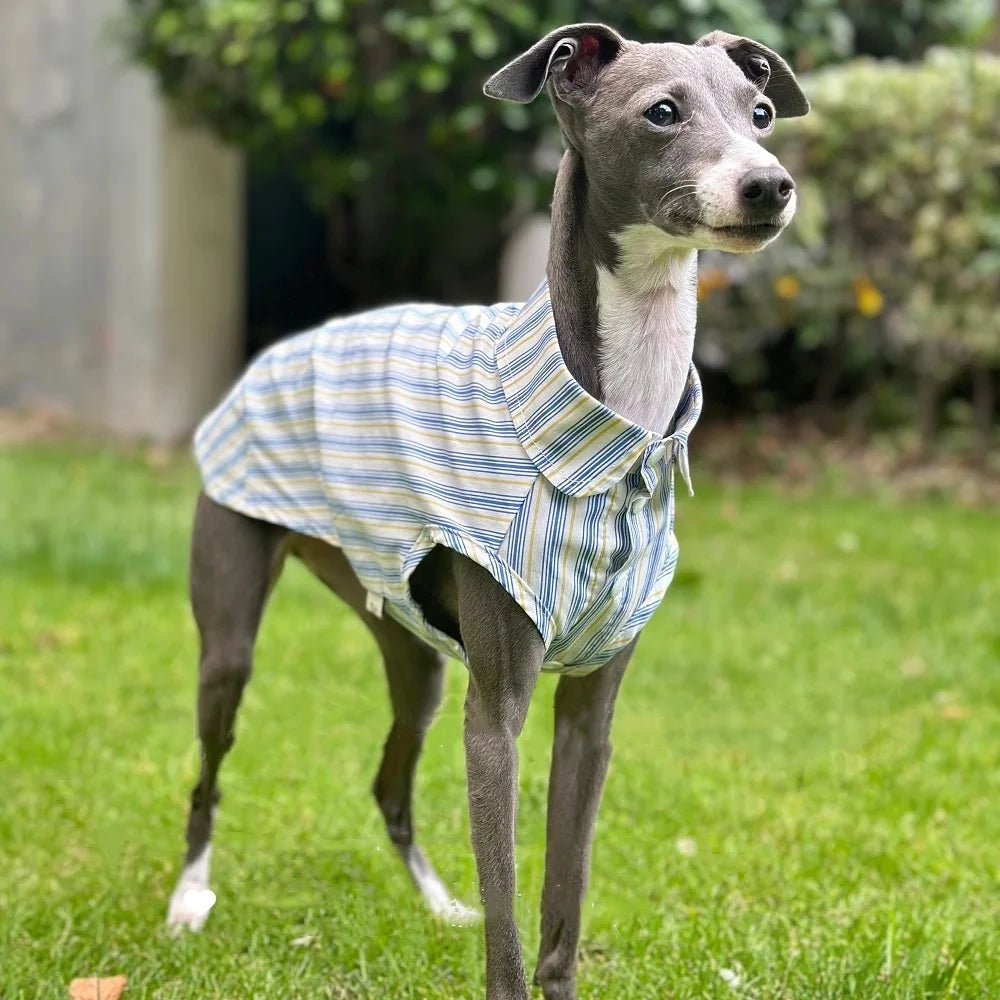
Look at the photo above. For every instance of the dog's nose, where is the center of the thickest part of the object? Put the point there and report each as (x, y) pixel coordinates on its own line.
(766, 191)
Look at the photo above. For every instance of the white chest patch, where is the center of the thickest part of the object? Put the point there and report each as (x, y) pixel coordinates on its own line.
(647, 312)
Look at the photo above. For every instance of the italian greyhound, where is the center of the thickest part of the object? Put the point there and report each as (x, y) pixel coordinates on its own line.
(662, 160)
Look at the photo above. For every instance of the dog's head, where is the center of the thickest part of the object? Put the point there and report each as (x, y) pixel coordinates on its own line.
(669, 134)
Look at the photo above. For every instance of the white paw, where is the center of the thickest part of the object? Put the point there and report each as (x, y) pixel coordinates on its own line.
(457, 914)
(441, 903)
(444, 906)
(189, 908)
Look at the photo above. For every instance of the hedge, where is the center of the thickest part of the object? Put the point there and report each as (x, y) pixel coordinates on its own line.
(888, 282)
(378, 109)
(891, 271)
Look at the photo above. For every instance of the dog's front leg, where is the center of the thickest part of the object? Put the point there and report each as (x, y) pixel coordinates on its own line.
(580, 754)
(505, 653)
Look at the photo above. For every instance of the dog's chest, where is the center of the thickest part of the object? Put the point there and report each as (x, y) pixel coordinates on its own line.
(599, 564)
(646, 314)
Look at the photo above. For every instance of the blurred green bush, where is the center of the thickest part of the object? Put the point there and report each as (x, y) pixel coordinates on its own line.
(378, 110)
(890, 275)
(378, 107)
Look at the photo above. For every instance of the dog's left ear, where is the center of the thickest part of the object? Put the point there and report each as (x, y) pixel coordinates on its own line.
(764, 68)
(572, 57)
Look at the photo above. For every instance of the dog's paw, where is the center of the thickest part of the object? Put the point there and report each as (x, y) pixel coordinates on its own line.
(444, 906)
(453, 911)
(439, 900)
(189, 908)
(555, 987)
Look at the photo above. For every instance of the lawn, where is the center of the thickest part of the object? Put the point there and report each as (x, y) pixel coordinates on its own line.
(803, 801)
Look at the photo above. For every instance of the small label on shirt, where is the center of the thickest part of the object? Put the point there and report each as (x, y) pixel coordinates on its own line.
(373, 604)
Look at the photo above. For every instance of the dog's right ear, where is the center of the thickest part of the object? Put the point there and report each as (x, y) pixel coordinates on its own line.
(572, 57)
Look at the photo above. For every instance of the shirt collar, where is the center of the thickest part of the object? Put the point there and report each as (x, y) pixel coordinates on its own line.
(580, 445)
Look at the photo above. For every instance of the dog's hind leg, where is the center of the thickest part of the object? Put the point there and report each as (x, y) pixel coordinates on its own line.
(235, 561)
(415, 676)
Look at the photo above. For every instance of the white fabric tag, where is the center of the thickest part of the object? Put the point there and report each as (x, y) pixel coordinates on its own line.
(373, 604)
(680, 456)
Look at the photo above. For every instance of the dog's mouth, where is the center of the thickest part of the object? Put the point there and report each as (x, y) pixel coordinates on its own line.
(685, 223)
(744, 237)
(752, 230)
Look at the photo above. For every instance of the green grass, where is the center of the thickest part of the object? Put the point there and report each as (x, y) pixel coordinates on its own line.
(816, 708)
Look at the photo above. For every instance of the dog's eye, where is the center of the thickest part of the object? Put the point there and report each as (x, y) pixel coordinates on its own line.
(762, 116)
(662, 113)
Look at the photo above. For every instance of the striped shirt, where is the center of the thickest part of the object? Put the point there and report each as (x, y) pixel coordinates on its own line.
(396, 430)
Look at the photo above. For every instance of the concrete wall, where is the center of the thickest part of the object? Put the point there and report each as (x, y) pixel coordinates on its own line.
(120, 233)
(522, 265)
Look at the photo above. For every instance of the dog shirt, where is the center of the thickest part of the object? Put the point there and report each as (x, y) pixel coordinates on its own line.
(392, 431)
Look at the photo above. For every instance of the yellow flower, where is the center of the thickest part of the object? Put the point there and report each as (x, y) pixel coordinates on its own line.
(787, 286)
(711, 281)
(867, 297)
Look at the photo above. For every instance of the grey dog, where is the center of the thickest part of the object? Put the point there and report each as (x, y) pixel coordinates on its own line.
(662, 159)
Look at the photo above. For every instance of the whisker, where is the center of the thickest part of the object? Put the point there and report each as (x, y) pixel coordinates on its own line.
(677, 191)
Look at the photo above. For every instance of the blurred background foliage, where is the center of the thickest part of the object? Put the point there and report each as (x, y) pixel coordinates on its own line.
(887, 288)
(885, 294)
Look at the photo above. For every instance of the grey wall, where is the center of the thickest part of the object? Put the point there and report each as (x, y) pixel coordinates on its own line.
(522, 265)
(120, 233)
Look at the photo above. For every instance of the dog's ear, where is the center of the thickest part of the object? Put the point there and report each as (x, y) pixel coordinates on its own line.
(572, 57)
(764, 68)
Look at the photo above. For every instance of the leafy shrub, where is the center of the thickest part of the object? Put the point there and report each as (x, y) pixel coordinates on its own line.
(893, 265)
(378, 107)
(889, 279)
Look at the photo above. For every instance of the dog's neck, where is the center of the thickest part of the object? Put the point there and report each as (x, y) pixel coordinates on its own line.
(624, 301)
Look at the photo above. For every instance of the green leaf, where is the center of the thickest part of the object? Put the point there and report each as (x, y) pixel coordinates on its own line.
(484, 178)
(441, 48)
(484, 40)
(167, 26)
(432, 78)
(388, 90)
(233, 53)
(329, 10)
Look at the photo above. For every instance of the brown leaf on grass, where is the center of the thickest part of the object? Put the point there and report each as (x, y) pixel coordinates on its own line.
(93, 988)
